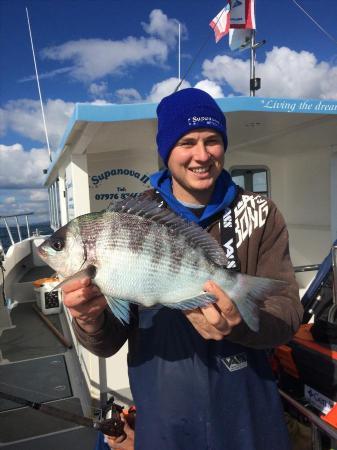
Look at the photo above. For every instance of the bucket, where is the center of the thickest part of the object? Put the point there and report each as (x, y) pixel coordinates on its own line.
(47, 301)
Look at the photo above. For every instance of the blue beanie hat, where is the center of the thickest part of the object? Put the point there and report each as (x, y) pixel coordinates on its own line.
(185, 111)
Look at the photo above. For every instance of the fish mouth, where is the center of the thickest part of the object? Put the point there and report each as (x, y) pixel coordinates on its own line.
(41, 252)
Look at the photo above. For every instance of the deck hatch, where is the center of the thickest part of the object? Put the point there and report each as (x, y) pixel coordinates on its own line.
(40, 380)
(30, 338)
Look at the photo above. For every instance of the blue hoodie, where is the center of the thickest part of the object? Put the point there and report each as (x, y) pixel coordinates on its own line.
(225, 191)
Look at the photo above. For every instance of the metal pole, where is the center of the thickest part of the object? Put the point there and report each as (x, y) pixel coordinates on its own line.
(316, 438)
(18, 228)
(179, 77)
(27, 225)
(9, 232)
(313, 418)
(252, 63)
(334, 272)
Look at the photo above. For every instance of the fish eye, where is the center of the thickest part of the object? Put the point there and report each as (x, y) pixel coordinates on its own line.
(57, 244)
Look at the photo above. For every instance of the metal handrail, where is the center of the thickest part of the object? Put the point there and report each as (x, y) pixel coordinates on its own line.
(312, 417)
(308, 268)
(334, 271)
(332, 315)
(4, 218)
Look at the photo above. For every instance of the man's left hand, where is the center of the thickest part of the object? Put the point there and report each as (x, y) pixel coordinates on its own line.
(218, 319)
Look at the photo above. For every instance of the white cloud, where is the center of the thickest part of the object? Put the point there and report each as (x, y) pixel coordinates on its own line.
(99, 90)
(298, 74)
(21, 169)
(224, 69)
(21, 180)
(128, 96)
(9, 200)
(3, 122)
(166, 87)
(210, 87)
(46, 75)
(284, 73)
(24, 117)
(95, 58)
(38, 195)
(163, 27)
(99, 101)
(23, 205)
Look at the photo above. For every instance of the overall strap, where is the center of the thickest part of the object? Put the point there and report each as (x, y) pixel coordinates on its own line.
(228, 235)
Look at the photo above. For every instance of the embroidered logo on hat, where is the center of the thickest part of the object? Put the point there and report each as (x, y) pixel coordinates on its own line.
(203, 120)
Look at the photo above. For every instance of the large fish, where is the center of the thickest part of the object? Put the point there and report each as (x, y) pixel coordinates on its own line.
(138, 252)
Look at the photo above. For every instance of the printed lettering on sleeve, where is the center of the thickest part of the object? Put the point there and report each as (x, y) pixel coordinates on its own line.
(249, 214)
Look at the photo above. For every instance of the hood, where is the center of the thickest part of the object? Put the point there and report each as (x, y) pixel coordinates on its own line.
(224, 193)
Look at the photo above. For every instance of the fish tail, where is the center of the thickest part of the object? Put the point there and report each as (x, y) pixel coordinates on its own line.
(249, 291)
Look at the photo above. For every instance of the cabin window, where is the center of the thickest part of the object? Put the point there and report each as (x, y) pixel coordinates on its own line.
(252, 178)
(54, 205)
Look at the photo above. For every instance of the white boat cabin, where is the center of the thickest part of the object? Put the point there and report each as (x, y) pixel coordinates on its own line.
(283, 148)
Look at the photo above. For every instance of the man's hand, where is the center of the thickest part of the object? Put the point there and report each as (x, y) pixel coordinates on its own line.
(85, 303)
(216, 320)
(124, 442)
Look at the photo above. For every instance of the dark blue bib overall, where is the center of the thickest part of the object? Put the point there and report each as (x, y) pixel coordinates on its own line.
(197, 394)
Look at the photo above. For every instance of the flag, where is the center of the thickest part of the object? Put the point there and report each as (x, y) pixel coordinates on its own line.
(239, 39)
(242, 14)
(221, 22)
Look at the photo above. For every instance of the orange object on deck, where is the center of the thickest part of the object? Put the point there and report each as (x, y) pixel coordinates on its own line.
(304, 337)
(41, 281)
(331, 417)
(285, 357)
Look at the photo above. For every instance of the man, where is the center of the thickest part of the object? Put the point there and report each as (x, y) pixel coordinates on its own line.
(201, 379)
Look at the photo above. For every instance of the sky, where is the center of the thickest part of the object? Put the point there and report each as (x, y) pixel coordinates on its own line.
(123, 51)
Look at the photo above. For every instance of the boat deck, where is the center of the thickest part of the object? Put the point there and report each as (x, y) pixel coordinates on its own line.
(37, 366)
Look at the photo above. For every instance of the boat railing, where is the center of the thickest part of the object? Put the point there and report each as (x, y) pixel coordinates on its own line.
(307, 268)
(16, 218)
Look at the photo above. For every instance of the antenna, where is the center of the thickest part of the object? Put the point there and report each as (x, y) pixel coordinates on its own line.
(195, 58)
(38, 86)
(179, 51)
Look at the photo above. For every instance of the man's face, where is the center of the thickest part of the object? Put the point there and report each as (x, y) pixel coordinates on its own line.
(195, 163)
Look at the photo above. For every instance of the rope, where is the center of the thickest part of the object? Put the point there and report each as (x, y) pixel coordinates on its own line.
(328, 35)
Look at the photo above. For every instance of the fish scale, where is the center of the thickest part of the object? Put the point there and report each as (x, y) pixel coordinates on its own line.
(137, 252)
(148, 281)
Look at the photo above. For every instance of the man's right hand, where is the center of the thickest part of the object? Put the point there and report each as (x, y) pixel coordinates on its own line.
(124, 442)
(86, 303)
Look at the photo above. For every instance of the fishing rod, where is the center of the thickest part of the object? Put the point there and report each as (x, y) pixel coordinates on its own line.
(114, 426)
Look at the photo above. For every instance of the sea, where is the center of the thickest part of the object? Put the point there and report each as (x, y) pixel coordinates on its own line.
(43, 228)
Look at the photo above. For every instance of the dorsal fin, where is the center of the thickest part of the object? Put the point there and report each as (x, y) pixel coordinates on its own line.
(150, 209)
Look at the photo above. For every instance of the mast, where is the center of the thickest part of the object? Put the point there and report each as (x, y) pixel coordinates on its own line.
(254, 83)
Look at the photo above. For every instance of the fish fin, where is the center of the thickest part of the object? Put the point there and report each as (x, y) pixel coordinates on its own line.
(250, 292)
(120, 309)
(192, 303)
(89, 271)
(194, 234)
